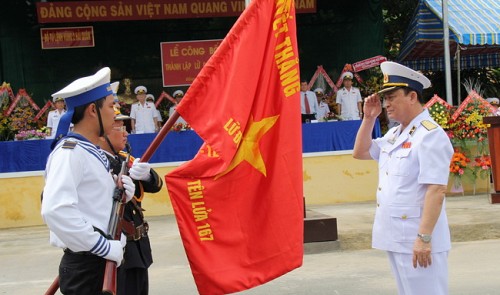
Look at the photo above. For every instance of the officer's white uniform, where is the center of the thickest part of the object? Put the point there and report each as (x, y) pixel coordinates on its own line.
(143, 115)
(349, 99)
(407, 163)
(323, 110)
(178, 94)
(53, 121)
(409, 160)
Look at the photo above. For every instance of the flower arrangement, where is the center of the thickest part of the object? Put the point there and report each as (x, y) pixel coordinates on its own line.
(181, 127)
(458, 163)
(480, 168)
(31, 134)
(441, 114)
(330, 116)
(468, 124)
(458, 166)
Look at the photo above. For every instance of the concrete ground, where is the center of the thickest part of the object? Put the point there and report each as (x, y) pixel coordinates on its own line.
(28, 263)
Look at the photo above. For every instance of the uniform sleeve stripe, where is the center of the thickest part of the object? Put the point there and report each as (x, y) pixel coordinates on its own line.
(101, 248)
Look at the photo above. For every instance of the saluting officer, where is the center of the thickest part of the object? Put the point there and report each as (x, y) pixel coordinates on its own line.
(133, 273)
(413, 159)
(78, 192)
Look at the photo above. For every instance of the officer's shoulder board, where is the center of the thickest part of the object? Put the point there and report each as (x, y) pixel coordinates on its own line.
(69, 144)
(428, 125)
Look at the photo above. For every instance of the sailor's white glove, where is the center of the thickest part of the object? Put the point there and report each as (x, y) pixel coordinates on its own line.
(116, 250)
(140, 171)
(128, 186)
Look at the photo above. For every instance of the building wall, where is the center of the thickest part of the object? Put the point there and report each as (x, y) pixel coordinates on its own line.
(329, 178)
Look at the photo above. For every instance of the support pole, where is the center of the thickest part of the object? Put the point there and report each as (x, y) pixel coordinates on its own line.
(459, 68)
(447, 62)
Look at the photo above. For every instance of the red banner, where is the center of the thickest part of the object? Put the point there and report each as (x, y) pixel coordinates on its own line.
(97, 11)
(239, 202)
(321, 71)
(43, 110)
(162, 96)
(368, 63)
(21, 94)
(182, 61)
(71, 37)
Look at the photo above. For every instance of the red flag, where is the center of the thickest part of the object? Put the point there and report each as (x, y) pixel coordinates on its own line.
(238, 203)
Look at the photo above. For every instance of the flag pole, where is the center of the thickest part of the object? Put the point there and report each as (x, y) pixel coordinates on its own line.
(159, 137)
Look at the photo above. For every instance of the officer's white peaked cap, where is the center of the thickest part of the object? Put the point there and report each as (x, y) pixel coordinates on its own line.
(140, 90)
(397, 75)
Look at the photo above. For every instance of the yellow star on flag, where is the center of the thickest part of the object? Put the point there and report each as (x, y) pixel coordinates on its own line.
(249, 147)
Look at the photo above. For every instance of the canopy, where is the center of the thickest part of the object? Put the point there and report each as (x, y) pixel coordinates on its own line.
(474, 24)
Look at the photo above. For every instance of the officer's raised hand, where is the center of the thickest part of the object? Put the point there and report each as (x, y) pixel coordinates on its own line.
(372, 106)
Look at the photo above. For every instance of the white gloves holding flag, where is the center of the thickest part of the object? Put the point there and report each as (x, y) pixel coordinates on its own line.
(128, 186)
(140, 171)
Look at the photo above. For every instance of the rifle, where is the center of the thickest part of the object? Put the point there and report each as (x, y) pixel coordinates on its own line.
(115, 226)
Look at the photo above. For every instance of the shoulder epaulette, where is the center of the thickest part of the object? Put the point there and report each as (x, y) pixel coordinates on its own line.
(428, 125)
(69, 144)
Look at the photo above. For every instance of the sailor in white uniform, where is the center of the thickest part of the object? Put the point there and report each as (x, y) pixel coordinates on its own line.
(78, 192)
(143, 113)
(349, 99)
(413, 159)
(178, 95)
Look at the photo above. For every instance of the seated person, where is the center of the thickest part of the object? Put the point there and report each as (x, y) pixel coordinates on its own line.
(323, 108)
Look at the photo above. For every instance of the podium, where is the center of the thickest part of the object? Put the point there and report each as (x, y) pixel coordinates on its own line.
(494, 144)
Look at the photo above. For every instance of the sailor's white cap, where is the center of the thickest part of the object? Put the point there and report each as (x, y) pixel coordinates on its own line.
(178, 92)
(87, 89)
(81, 92)
(493, 100)
(150, 96)
(347, 75)
(319, 90)
(397, 75)
(140, 90)
(114, 88)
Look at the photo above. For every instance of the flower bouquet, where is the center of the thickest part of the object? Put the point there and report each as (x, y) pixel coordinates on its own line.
(30, 134)
(440, 111)
(181, 127)
(481, 168)
(457, 169)
(330, 117)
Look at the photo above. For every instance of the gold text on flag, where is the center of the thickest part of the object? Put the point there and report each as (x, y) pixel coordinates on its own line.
(200, 211)
(287, 62)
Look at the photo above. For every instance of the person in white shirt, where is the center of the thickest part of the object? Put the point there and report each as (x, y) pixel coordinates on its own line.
(349, 99)
(308, 103)
(77, 198)
(55, 115)
(413, 158)
(323, 108)
(150, 98)
(178, 95)
(143, 113)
